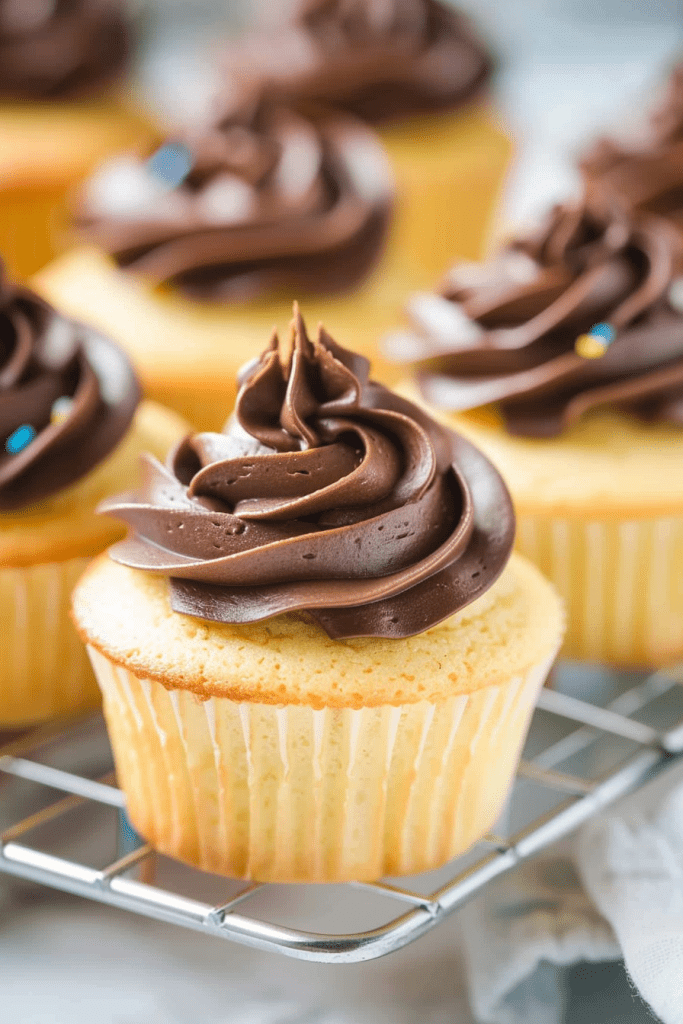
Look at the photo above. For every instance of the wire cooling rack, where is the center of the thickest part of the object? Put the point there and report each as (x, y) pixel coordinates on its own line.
(590, 743)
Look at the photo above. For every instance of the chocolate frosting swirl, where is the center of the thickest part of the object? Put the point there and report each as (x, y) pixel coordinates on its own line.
(43, 358)
(325, 493)
(646, 175)
(383, 60)
(272, 198)
(505, 333)
(60, 49)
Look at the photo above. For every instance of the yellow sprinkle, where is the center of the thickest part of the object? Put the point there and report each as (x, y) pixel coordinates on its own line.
(588, 346)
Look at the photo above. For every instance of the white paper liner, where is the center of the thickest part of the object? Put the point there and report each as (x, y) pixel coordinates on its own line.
(297, 794)
(44, 670)
(621, 581)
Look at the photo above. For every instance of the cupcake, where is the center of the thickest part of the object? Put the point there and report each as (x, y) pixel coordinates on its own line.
(317, 657)
(196, 253)
(71, 430)
(563, 360)
(416, 70)
(645, 174)
(60, 115)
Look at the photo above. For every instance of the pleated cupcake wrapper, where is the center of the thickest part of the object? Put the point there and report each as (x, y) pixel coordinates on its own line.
(297, 794)
(622, 582)
(44, 669)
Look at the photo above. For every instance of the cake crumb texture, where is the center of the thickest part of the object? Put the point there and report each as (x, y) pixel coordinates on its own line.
(125, 614)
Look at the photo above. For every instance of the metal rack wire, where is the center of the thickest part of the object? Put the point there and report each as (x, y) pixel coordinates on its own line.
(652, 750)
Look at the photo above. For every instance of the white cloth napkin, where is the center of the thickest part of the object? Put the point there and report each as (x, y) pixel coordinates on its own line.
(616, 891)
(632, 868)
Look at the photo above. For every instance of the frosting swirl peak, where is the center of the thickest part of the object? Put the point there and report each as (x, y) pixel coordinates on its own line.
(72, 393)
(266, 197)
(325, 493)
(382, 60)
(60, 49)
(507, 332)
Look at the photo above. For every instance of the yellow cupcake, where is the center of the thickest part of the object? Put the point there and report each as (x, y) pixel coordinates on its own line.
(450, 171)
(47, 150)
(320, 664)
(59, 458)
(562, 360)
(600, 512)
(60, 114)
(214, 236)
(270, 751)
(418, 73)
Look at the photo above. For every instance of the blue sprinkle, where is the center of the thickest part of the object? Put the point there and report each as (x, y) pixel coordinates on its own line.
(20, 439)
(171, 163)
(605, 331)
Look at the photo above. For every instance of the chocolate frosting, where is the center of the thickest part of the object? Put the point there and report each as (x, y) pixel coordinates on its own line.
(325, 493)
(273, 198)
(505, 332)
(43, 358)
(383, 60)
(647, 174)
(60, 49)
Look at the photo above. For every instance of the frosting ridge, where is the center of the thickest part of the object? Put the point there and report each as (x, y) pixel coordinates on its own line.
(382, 60)
(266, 197)
(60, 49)
(506, 332)
(69, 391)
(326, 493)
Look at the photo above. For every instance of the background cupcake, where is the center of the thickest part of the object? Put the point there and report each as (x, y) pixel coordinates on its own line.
(330, 577)
(563, 360)
(197, 251)
(417, 71)
(60, 114)
(71, 431)
(646, 173)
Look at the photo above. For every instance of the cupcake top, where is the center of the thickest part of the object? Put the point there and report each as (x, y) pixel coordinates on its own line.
(325, 494)
(583, 315)
(60, 49)
(646, 174)
(67, 397)
(383, 60)
(265, 198)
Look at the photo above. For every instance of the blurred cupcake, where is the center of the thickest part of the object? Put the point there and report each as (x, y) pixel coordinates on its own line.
(317, 662)
(416, 70)
(197, 252)
(61, 114)
(645, 173)
(563, 360)
(71, 431)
